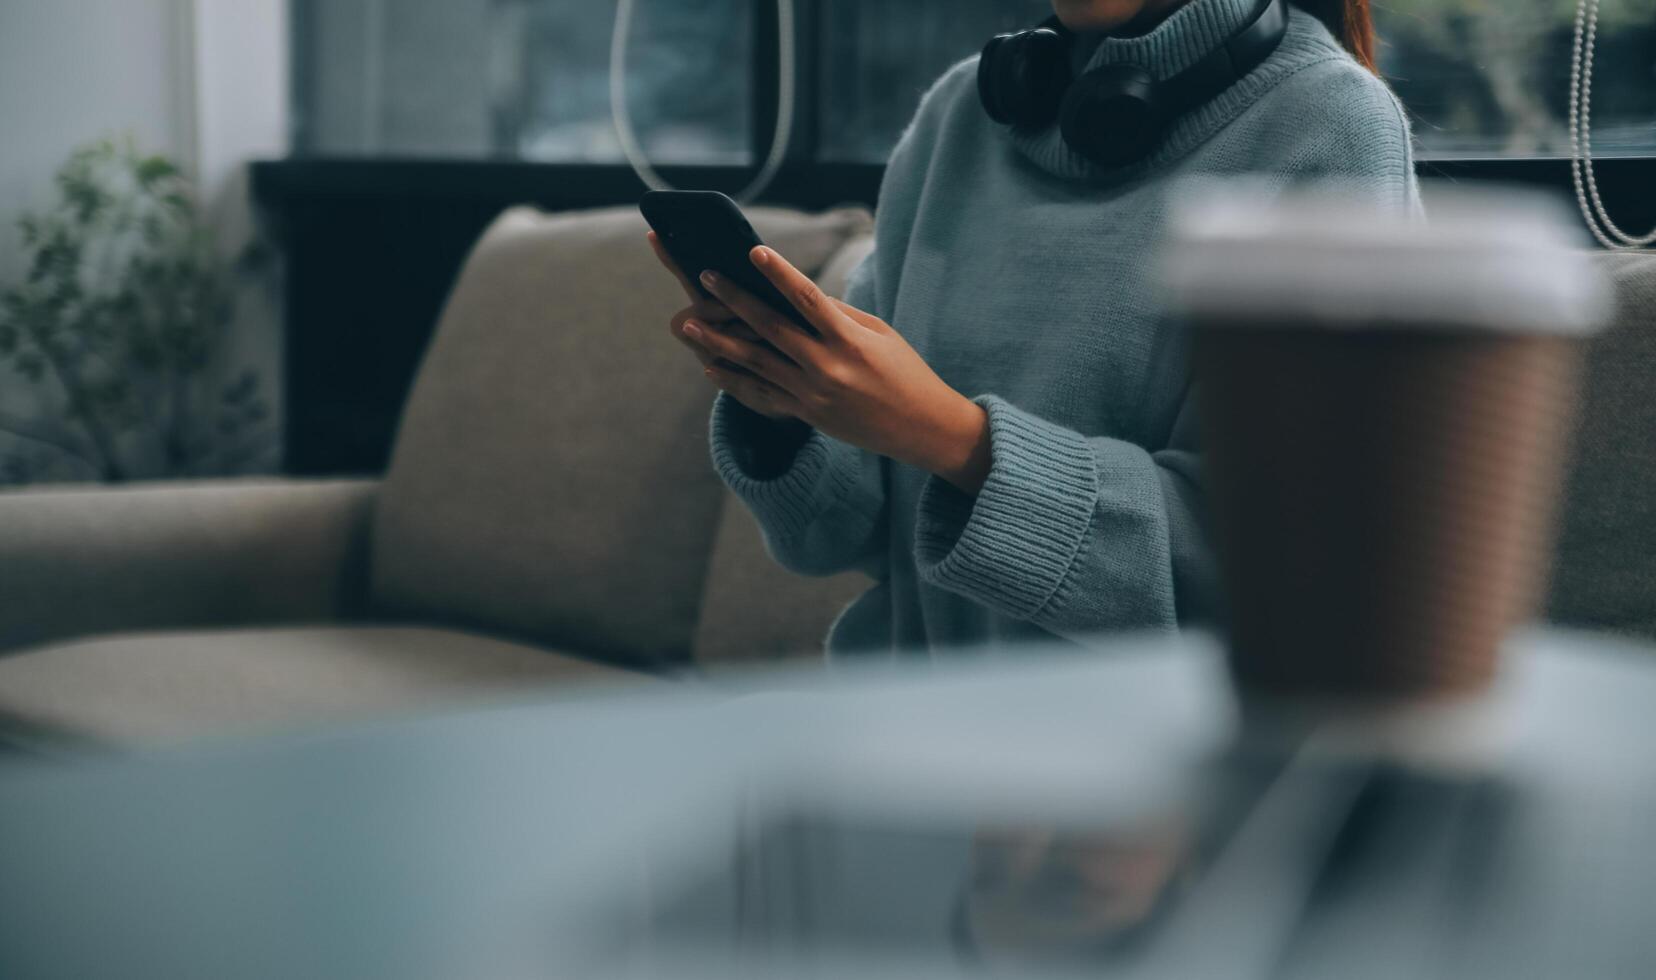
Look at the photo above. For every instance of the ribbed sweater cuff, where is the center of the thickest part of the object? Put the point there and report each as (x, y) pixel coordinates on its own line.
(823, 475)
(1011, 546)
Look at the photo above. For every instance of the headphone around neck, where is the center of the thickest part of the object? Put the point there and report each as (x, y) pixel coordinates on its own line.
(1119, 113)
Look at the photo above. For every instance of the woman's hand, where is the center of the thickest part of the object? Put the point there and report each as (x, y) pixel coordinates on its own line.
(715, 314)
(857, 381)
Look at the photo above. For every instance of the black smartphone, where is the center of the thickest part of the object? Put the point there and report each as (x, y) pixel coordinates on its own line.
(704, 230)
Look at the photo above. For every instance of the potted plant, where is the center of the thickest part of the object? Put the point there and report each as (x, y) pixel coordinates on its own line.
(118, 331)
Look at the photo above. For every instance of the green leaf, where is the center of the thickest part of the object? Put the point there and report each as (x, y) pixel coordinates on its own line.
(255, 258)
(113, 392)
(86, 200)
(31, 366)
(146, 353)
(152, 170)
(242, 391)
(154, 317)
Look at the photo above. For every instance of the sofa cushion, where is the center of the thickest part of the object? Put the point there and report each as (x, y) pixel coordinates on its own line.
(96, 559)
(1606, 571)
(145, 689)
(551, 477)
(754, 611)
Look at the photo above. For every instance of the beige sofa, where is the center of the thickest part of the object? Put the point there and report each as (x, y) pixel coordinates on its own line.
(549, 518)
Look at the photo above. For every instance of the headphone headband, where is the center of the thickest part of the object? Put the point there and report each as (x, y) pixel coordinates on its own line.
(1231, 62)
(1118, 112)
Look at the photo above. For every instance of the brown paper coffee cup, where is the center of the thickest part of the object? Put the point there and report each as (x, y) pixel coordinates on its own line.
(1385, 406)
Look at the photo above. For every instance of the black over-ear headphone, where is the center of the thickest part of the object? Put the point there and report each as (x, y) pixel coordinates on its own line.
(1118, 113)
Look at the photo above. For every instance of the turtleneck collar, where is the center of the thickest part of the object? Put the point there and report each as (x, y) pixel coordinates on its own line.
(1178, 42)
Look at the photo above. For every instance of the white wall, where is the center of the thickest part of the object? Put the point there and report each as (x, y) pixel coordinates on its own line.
(73, 70)
(240, 90)
(203, 81)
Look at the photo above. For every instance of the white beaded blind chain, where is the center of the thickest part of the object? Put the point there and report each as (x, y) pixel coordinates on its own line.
(1581, 136)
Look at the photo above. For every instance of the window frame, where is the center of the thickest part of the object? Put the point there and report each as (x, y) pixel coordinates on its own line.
(807, 180)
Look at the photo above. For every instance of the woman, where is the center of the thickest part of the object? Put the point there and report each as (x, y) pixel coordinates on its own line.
(996, 424)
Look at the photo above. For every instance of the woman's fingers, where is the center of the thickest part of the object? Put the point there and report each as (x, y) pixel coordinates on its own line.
(706, 357)
(701, 353)
(706, 308)
(734, 328)
(756, 393)
(756, 358)
(806, 296)
(770, 325)
(729, 326)
(739, 330)
(675, 326)
(710, 330)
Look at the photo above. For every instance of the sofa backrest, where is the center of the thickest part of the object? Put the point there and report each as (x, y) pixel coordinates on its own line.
(1605, 576)
(551, 478)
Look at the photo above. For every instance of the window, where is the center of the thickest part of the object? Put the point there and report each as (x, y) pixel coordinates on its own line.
(688, 79)
(528, 79)
(521, 79)
(1480, 78)
(1493, 79)
(877, 64)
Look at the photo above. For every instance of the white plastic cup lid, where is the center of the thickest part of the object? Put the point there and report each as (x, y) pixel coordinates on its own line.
(1506, 259)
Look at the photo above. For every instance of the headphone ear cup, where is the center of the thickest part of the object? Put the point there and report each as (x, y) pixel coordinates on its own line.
(989, 88)
(1112, 115)
(1022, 77)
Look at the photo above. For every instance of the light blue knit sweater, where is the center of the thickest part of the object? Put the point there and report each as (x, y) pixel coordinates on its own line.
(1023, 275)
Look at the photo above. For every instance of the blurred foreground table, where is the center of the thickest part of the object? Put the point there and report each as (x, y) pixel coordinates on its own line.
(1026, 813)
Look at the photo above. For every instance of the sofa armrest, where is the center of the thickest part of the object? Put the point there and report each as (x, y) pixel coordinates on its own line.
(75, 562)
